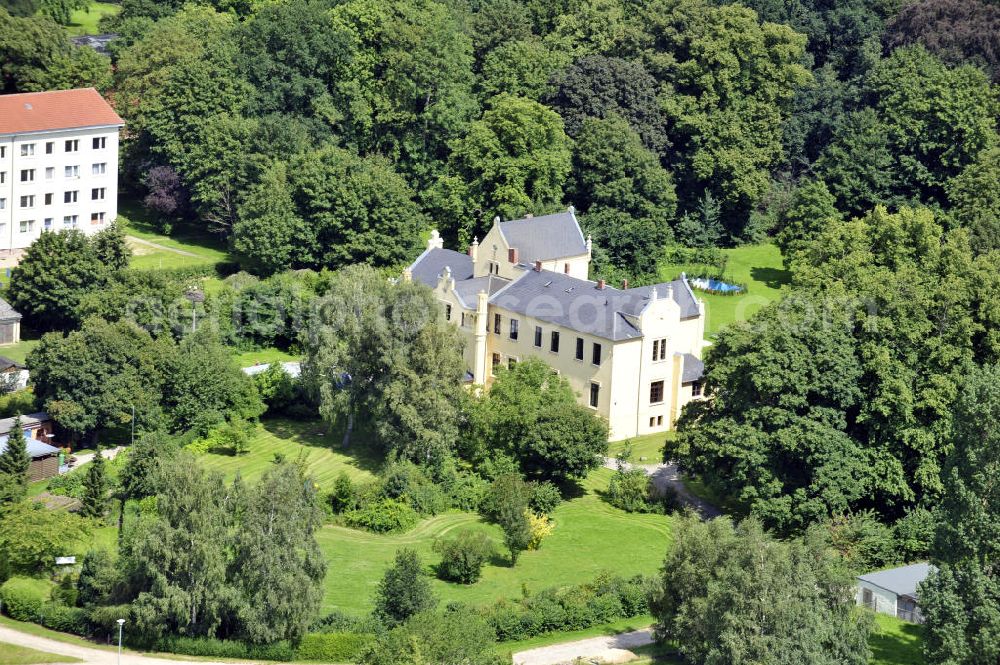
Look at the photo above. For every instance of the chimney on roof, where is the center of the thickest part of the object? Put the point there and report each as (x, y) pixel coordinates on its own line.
(590, 246)
(600, 285)
(571, 210)
(496, 220)
(624, 284)
(538, 266)
(474, 249)
(566, 268)
(653, 295)
(670, 291)
(512, 254)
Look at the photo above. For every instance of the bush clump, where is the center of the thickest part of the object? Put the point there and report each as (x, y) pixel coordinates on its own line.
(332, 647)
(23, 597)
(382, 516)
(463, 557)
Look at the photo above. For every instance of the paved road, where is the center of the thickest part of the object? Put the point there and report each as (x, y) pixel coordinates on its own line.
(89, 655)
(666, 476)
(607, 649)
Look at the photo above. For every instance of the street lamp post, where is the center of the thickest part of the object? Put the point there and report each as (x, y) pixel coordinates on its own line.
(121, 622)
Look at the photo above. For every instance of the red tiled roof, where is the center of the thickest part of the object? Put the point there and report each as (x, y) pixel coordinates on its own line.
(58, 109)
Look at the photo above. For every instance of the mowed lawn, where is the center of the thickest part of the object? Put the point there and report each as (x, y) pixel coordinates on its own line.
(84, 21)
(11, 654)
(646, 449)
(590, 537)
(177, 250)
(309, 440)
(759, 267)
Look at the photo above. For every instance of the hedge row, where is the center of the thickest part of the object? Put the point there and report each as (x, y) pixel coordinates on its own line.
(221, 269)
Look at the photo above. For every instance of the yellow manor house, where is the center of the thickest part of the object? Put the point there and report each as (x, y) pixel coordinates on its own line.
(632, 355)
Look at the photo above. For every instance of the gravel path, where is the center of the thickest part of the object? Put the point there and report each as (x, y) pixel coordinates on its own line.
(108, 455)
(606, 649)
(88, 655)
(667, 477)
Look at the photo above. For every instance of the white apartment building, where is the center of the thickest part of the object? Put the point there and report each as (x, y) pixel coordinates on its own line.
(58, 164)
(633, 355)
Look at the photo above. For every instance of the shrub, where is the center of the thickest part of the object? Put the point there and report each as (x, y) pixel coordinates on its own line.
(539, 528)
(23, 597)
(382, 516)
(467, 491)
(463, 556)
(213, 648)
(629, 490)
(338, 622)
(332, 647)
(343, 497)
(544, 497)
(406, 481)
(66, 592)
(63, 618)
(68, 484)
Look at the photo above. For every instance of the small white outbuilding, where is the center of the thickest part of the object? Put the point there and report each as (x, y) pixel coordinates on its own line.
(894, 591)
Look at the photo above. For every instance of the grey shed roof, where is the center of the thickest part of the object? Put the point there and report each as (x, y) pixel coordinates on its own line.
(7, 363)
(901, 581)
(579, 305)
(546, 237)
(8, 313)
(35, 447)
(432, 263)
(693, 368)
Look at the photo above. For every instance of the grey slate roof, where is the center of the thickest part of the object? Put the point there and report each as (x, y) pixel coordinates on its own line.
(432, 263)
(579, 305)
(468, 289)
(6, 363)
(901, 581)
(546, 237)
(8, 313)
(681, 294)
(692, 369)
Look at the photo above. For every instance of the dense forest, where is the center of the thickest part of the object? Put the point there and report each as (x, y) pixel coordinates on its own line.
(307, 132)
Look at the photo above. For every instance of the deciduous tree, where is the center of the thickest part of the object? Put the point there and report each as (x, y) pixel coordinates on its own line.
(404, 591)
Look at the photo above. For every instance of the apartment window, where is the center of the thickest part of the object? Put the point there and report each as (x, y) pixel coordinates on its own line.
(659, 349)
(72, 171)
(659, 420)
(3, 177)
(447, 307)
(579, 348)
(99, 169)
(70, 221)
(28, 201)
(27, 225)
(49, 146)
(97, 194)
(538, 336)
(595, 394)
(513, 329)
(656, 392)
(48, 223)
(595, 356)
(72, 145)
(496, 362)
(70, 197)
(652, 421)
(3, 203)
(48, 199)
(27, 150)
(3, 151)
(554, 342)
(27, 175)
(463, 319)
(496, 324)
(696, 389)
(100, 142)
(50, 172)
(97, 218)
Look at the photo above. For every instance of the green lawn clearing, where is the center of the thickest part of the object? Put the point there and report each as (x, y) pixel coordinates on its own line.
(11, 654)
(757, 266)
(84, 21)
(178, 250)
(895, 642)
(264, 357)
(323, 456)
(590, 537)
(646, 449)
(18, 352)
